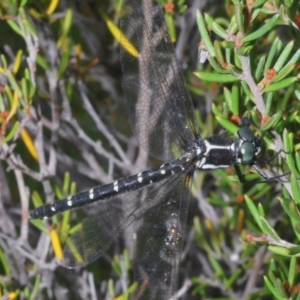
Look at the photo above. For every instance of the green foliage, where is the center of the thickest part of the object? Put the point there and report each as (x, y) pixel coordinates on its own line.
(263, 77)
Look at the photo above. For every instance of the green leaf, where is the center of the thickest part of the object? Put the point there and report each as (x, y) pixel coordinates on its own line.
(290, 208)
(235, 99)
(292, 271)
(39, 224)
(36, 288)
(283, 73)
(217, 268)
(32, 90)
(274, 48)
(297, 94)
(228, 98)
(239, 17)
(295, 58)
(269, 230)
(232, 28)
(12, 132)
(4, 264)
(215, 27)
(261, 210)
(13, 83)
(279, 250)
(28, 27)
(67, 22)
(66, 184)
(272, 122)
(171, 26)
(269, 103)
(227, 44)
(261, 31)
(280, 85)
(288, 3)
(283, 56)
(15, 27)
(295, 188)
(3, 61)
(294, 251)
(272, 272)
(63, 63)
(65, 225)
(24, 89)
(42, 62)
(2, 104)
(219, 54)
(235, 276)
(126, 259)
(297, 158)
(66, 26)
(280, 288)
(289, 158)
(204, 34)
(215, 77)
(258, 3)
(183, 8)
(229, 126)
(75, 229)
(17, 62)
(216, 111)
(237, 61)
(247, 90)
(271, 288)
(111, 288)
(254, 212)
(216, 66)
(117, 265)
(259, 68)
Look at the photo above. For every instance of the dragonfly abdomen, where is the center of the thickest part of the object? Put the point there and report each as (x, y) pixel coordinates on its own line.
(106, 191)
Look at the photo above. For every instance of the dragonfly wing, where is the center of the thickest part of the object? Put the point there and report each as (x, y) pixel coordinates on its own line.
(159, 238)
(161, 111)
(104, 220)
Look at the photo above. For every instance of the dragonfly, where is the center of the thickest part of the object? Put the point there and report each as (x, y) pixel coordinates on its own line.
(161, 115)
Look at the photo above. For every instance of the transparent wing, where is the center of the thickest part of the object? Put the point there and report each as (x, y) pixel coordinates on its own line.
(159, 211)
(159, 238)
(160, 108)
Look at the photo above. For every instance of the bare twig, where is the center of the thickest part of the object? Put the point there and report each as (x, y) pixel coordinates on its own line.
(255, 89)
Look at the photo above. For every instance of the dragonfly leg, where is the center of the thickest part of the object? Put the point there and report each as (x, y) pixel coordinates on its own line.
(267, 161)
(267, 178)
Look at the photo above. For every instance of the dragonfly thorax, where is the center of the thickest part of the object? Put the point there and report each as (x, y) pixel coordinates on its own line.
(220, 151)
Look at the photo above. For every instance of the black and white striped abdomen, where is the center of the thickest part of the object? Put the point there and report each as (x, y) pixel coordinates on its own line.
(109, 190)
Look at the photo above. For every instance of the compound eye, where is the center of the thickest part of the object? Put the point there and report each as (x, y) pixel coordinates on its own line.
(246, 134)
(247, 153)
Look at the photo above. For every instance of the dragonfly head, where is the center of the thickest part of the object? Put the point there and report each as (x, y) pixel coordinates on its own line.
(249, 146)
